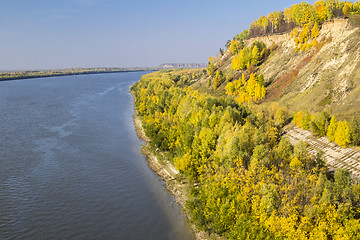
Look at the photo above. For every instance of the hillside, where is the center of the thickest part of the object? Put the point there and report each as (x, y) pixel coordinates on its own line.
(326, 77)
(230, 131)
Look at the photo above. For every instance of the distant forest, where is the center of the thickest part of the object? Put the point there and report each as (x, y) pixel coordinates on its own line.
(11, 75)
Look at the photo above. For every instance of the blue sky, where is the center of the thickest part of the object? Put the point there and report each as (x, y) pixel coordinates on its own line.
(43, 34)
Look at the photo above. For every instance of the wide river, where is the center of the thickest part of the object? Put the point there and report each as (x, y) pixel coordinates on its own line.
(71, 165)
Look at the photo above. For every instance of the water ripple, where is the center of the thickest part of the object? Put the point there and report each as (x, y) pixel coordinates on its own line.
(71, 166)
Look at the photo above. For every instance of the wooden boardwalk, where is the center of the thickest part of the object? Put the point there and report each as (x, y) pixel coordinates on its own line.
(334, 155)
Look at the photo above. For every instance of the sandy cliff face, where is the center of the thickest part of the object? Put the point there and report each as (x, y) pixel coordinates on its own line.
(270, 40)
(327, 78)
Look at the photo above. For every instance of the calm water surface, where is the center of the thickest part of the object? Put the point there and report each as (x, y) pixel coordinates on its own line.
(71, 165)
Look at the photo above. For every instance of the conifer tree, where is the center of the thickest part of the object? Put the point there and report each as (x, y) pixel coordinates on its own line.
(261, 80)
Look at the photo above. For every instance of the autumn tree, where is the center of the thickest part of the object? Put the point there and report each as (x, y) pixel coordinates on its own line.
(264, 23)
(332, 129)
(346, 9)
(211, 69)
(246, 91)
(218, 79)
(297, 118)
(255, 56)
(321, 11)
(249, 56)
(246, 181)
(234, 46)
(342, 134)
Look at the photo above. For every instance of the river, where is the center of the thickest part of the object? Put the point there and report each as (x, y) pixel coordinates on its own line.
(71, 165)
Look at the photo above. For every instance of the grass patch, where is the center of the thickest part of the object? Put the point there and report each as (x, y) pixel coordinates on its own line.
(354, 20)
(326, 100)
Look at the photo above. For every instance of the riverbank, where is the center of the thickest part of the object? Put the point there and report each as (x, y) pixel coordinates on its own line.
(18, 75)
(177, 184)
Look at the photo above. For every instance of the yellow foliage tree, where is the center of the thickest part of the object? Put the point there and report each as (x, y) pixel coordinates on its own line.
(342, 134)
(235, 63)
(246, 91)
(346, 9)
(255, 55)
(332, 129)
(297, 118)
(234, 46)
(315, 31)
(321, 11)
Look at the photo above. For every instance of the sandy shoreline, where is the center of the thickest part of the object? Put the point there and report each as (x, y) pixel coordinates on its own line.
(175, 183)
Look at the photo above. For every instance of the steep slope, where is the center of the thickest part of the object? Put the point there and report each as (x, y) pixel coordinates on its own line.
(324, 77)
(327, 77)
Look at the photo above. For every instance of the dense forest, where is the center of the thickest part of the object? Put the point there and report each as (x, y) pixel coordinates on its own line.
(247, 181)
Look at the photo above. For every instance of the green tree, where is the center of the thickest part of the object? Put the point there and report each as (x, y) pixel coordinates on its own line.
(305, 120)
(270, 199)
(221, 51)
(319, 123)
(281, 117)
(209, 82)
(261, 80)
(355, 132)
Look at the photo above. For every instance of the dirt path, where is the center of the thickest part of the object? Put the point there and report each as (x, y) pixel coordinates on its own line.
(335, 156)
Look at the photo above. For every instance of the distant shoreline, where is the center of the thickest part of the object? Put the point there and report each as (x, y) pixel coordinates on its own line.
(19, 75)
(28, 74)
